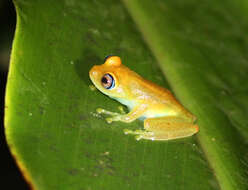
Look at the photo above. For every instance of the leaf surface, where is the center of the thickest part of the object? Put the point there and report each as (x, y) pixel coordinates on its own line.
(51, 124)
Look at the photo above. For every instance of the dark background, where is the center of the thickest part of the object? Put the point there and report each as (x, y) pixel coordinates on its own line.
(11, 178)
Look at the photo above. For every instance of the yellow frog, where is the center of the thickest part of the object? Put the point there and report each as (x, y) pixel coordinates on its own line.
(164, 117)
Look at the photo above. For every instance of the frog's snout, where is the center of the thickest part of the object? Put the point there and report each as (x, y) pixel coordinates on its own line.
(93, 72)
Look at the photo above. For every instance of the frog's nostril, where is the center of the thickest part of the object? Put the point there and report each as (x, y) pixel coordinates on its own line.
(94, 73)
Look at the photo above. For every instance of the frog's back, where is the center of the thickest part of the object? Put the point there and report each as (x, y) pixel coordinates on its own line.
(160, 99)
(146, 88)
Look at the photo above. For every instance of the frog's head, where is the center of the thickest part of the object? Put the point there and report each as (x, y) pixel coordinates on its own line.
(108, 76)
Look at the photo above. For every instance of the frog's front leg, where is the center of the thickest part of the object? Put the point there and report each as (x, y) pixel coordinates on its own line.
(135, 113)
(103, 111)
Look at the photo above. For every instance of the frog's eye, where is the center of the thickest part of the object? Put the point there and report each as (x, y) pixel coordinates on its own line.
(108, 81)
(112, 60)
(108, 56)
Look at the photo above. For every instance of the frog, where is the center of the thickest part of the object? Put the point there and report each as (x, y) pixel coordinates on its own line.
(164, 117)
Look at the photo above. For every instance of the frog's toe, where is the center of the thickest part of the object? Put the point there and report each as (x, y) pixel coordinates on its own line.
(99, 110)
(127, 131)
(109, 120)
(138, 137)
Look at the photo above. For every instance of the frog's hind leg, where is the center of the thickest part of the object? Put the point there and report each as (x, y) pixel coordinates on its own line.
(166, 128)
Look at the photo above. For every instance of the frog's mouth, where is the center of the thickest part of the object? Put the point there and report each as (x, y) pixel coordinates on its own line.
(93, 75)
(93, 79)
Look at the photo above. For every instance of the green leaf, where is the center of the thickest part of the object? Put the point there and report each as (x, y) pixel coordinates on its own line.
(203, 49)
(51, 124)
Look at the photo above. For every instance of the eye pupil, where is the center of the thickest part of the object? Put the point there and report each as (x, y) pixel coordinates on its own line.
(104, 80)
(108, 81)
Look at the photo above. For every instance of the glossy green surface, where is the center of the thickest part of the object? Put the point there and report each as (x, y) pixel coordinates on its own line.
(203, 55)
(50, 120)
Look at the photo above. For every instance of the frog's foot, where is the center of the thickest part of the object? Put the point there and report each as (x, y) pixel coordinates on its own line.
(116, 116)
(140, 134)
(103, 111)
